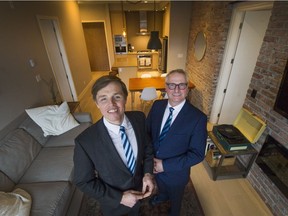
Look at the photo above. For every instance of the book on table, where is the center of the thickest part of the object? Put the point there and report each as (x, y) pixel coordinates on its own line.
(230, 137)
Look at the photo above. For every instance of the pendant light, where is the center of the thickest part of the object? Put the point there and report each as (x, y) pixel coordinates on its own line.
(123, 20)
(154, 41)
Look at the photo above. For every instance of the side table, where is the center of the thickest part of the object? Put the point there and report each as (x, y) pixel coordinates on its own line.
(74, 106)
(235, 169)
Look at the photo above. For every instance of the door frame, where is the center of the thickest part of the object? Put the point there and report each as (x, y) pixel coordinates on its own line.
(230, 52)
(106, 36)
(63, 57)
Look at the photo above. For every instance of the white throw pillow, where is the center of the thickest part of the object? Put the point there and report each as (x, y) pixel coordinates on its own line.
(17, 202)
(54, 120)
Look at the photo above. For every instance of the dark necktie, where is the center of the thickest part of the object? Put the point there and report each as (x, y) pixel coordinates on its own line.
(166, 125)
(128, 150)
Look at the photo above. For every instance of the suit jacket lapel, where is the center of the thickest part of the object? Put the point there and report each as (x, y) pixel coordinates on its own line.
(113, 153)
(179, 119)
(159, 117)
(137, 133)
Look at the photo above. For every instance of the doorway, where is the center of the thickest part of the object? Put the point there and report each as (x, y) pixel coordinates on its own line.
(53, 41)
(248, 26)
(95, 38)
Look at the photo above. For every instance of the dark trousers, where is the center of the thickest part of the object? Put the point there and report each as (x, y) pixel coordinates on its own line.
(122, 210)
(172, 192)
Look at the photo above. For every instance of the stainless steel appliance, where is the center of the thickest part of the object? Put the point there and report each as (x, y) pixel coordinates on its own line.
(162, 62)
(144, 61)
(120, 44)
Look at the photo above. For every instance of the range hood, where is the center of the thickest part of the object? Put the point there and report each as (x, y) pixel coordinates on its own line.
(143, 23)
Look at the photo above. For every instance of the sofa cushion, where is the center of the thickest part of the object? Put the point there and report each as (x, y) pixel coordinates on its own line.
(34, 130)
(67, 138)
(51, 164)
(6, 184)
(83, 117)
(49, 198)
(17, 150)
(53, 119)
(17, 202)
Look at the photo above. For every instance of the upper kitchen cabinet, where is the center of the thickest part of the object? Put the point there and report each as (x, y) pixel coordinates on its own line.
(133, 20)
(117, 22)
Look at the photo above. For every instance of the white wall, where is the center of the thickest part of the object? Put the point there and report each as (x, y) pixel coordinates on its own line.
(91, 12)
(180, 13)
(21, 40)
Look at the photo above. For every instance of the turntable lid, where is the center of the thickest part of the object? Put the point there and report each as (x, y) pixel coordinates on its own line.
(250, 125)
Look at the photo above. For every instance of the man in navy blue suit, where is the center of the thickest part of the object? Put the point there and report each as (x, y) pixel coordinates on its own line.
(179, 143)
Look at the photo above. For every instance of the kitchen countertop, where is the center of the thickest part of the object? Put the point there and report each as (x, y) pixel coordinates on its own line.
(124, 64)
(130, 59)
(136, 53)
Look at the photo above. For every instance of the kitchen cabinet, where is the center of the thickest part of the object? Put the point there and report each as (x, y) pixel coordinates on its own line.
(133, 22)
(133, 28)
(116, 22)
(122, 60)
(155, 58)
(130, 59)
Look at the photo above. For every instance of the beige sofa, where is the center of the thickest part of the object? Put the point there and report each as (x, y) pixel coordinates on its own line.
(41, 166)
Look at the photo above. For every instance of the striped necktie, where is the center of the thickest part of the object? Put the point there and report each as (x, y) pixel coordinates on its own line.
(128, 150)
(166, 125)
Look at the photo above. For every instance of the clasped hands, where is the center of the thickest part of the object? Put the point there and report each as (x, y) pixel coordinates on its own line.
(131, 197)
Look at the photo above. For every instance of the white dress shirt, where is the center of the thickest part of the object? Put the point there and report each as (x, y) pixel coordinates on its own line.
(114, 132)
(175, 113)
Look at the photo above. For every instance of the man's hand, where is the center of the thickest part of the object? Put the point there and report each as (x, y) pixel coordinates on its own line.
(131, 197)
(158, 166)
(148, 185)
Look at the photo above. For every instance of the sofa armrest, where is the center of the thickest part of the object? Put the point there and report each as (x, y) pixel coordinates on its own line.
(83, 117)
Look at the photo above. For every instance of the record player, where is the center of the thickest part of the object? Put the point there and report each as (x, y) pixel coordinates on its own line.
(246, 130)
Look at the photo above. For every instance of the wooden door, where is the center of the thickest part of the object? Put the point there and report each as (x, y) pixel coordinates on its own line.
(53, 41)
(95, 38)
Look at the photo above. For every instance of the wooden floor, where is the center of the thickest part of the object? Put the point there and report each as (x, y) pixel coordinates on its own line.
(233, 197)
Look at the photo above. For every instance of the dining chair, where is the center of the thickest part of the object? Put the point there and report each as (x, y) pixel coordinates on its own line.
(148, 95)
(164, 96)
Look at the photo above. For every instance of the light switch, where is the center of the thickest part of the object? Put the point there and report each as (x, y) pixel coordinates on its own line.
(32, 63)
(253, 93)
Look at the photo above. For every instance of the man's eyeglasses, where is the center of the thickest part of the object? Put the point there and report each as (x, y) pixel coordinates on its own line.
(173, 86)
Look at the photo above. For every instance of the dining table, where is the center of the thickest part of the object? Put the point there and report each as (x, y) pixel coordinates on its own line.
(138, 84)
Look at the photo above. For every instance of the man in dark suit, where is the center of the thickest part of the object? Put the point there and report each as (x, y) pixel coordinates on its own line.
(113, 158)
(179, 143)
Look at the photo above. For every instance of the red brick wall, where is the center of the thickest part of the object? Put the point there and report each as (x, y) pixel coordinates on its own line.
(266, 80)
(268, 73)
(214, 18)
